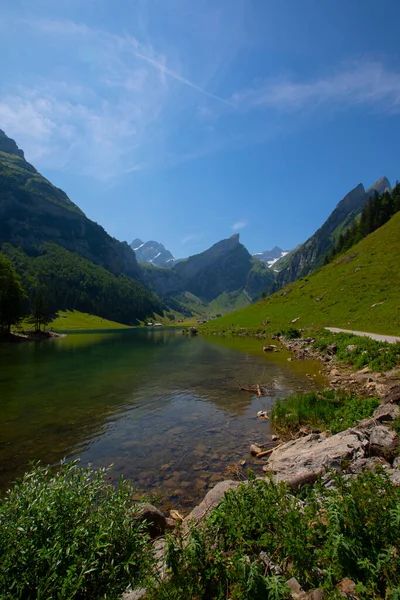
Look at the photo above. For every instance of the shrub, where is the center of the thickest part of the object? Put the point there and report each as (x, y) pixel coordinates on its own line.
(328, 409)
(349, 530)
(69, 534)
(290, 333)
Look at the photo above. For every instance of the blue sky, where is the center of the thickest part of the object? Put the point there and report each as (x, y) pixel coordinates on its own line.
(185, 121)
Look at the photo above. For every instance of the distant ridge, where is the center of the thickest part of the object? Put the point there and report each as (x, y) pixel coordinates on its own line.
(152, 252)
(270, 257)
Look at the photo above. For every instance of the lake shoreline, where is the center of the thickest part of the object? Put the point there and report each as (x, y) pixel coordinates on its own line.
(310, 457)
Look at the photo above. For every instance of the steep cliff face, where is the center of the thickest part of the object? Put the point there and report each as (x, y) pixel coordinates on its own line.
(33, 211)
(225, 267)
(310, 255)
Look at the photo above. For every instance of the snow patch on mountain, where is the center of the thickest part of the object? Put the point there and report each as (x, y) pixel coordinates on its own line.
(270, 257)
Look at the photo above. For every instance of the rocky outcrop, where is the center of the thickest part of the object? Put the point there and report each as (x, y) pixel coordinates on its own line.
(359, 448)
(304, 460)
(8, 145)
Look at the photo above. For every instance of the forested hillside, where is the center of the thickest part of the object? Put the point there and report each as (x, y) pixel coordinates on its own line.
(376, 213)
(66, 280)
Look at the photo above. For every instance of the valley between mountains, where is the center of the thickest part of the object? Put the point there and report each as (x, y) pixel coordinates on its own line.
(220, 384)
(77, 266)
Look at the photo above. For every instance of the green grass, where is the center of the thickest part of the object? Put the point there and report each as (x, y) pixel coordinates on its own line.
(326, 410)
(360, 351)
(70, 534)
(349, 530)
(342, 294)
(75, 320)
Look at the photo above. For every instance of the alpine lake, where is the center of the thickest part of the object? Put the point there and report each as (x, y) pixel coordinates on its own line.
(163, 408)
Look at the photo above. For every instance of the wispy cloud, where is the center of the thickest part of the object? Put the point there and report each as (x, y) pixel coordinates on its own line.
(59, 133)
(191, 237)
(123, 105)
(367, 83)
(239, 225)
(81, 124)
(144, 52)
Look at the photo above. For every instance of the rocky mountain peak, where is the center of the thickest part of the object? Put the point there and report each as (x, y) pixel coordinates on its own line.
(152, 252)
(270, 257)
(136, 243)
(380, 186)
(9, 145)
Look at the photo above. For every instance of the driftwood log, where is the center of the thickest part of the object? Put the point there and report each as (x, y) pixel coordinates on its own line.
(259, 390)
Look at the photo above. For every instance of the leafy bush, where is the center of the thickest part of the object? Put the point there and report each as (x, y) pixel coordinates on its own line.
(379, 356)
(290, 333)
(69, 534)
(349, 530)
(328, 409)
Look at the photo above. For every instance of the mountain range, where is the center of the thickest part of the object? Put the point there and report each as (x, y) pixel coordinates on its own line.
(40, 228)
(225, 267)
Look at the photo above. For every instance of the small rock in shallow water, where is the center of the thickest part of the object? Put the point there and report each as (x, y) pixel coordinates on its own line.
(254, 450)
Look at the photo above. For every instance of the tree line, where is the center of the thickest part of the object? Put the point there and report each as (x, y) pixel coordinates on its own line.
(56, 279)
(377, 211)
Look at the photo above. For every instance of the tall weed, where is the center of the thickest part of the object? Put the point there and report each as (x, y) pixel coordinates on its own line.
(349, 530)
(69, 534)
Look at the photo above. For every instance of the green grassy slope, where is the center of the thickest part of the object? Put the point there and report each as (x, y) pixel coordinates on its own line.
(342, 294)
(73, 320)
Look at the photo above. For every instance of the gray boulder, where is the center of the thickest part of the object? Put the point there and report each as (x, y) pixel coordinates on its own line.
(367, 464)
(387, 412)
(211, 500)
(303, 460)
(392, 395)
(383, 441)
